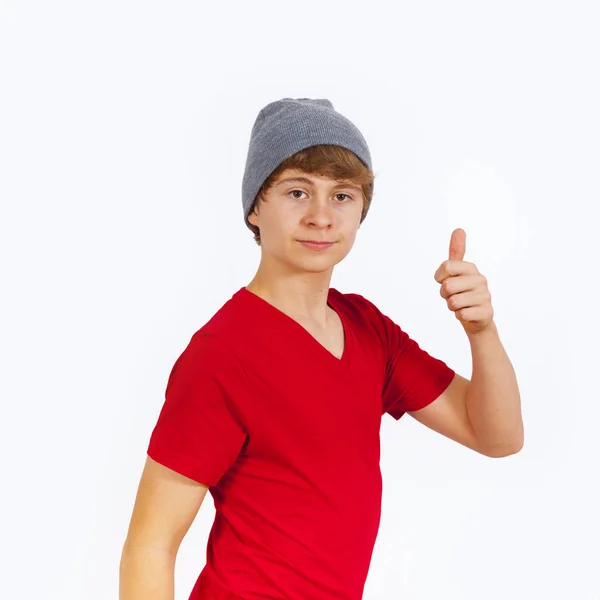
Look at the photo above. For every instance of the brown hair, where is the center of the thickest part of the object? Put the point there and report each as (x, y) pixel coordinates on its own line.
(327, 160)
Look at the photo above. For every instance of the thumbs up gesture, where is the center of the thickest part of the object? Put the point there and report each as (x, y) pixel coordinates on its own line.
(464, 288)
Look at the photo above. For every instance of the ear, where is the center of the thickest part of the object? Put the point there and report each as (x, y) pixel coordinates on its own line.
(253, 217)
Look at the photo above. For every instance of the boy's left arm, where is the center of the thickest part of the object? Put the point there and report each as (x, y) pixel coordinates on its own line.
(493, 400)
(484, 413)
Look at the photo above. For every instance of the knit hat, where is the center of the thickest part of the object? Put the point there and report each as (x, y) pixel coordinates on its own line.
(287, 126)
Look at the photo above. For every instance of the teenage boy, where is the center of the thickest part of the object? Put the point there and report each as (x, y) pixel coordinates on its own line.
(275, 405)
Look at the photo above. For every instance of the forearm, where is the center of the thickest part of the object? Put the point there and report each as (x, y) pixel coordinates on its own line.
(493, 398)
(146, 574)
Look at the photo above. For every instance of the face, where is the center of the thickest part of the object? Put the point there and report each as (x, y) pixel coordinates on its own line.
(299, 208)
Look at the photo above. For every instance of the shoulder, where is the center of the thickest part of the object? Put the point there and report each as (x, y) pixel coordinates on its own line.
(356, 304)
(207, 362)
(220, 331)
(212, 348)
(366, 318)
(202, 349)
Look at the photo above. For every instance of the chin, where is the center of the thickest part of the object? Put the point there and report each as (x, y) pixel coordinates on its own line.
(318, 263)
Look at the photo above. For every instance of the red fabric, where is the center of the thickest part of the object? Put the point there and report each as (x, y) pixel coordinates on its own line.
(287, 437)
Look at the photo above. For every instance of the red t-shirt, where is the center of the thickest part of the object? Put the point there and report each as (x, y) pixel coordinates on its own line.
(287, 437)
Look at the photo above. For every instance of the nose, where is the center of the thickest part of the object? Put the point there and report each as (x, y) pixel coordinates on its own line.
(319, 212)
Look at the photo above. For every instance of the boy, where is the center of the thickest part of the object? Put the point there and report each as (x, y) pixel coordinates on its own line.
(275, 405)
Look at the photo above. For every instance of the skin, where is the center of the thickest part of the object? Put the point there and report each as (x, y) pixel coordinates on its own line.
(292, 277)
(464, 288)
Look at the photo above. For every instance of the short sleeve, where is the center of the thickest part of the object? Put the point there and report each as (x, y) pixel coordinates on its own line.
(197, 433)
(413, 378)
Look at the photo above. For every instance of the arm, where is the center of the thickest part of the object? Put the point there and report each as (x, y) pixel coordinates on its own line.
(493, 400)
(165, 507)
(146, 573)
(483, 414)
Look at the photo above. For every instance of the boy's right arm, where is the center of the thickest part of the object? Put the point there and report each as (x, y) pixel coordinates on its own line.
(165, 507)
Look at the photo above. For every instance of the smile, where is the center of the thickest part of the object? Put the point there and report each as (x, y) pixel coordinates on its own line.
(316, 245)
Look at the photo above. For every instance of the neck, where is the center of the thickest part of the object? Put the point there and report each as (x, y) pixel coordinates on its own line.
(301, 294)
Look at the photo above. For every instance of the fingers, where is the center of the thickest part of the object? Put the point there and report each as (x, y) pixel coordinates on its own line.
(464, 283)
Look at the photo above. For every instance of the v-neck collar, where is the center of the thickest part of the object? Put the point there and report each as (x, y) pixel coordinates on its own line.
(340, 363)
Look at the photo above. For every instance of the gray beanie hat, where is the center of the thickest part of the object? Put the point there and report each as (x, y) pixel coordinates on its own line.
(287, 126)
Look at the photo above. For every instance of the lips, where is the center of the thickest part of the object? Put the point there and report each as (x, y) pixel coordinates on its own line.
(316, 245)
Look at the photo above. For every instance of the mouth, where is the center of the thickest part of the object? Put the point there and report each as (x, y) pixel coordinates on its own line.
(315, 244)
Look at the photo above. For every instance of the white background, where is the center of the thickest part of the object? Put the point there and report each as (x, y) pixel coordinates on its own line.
(124, 131)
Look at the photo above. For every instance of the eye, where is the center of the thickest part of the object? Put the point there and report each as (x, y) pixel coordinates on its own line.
(294, 191)
(347, 196)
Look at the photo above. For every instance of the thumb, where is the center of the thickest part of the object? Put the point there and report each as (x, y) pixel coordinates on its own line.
(458, 243)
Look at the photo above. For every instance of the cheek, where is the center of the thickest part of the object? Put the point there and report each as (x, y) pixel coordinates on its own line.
(352, 223)
(279, 226)
(349, 239)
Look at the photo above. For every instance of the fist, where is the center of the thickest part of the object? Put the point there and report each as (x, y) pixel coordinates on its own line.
(464, 288)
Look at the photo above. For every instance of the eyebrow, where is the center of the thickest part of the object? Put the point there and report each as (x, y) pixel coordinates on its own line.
(311, 182)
